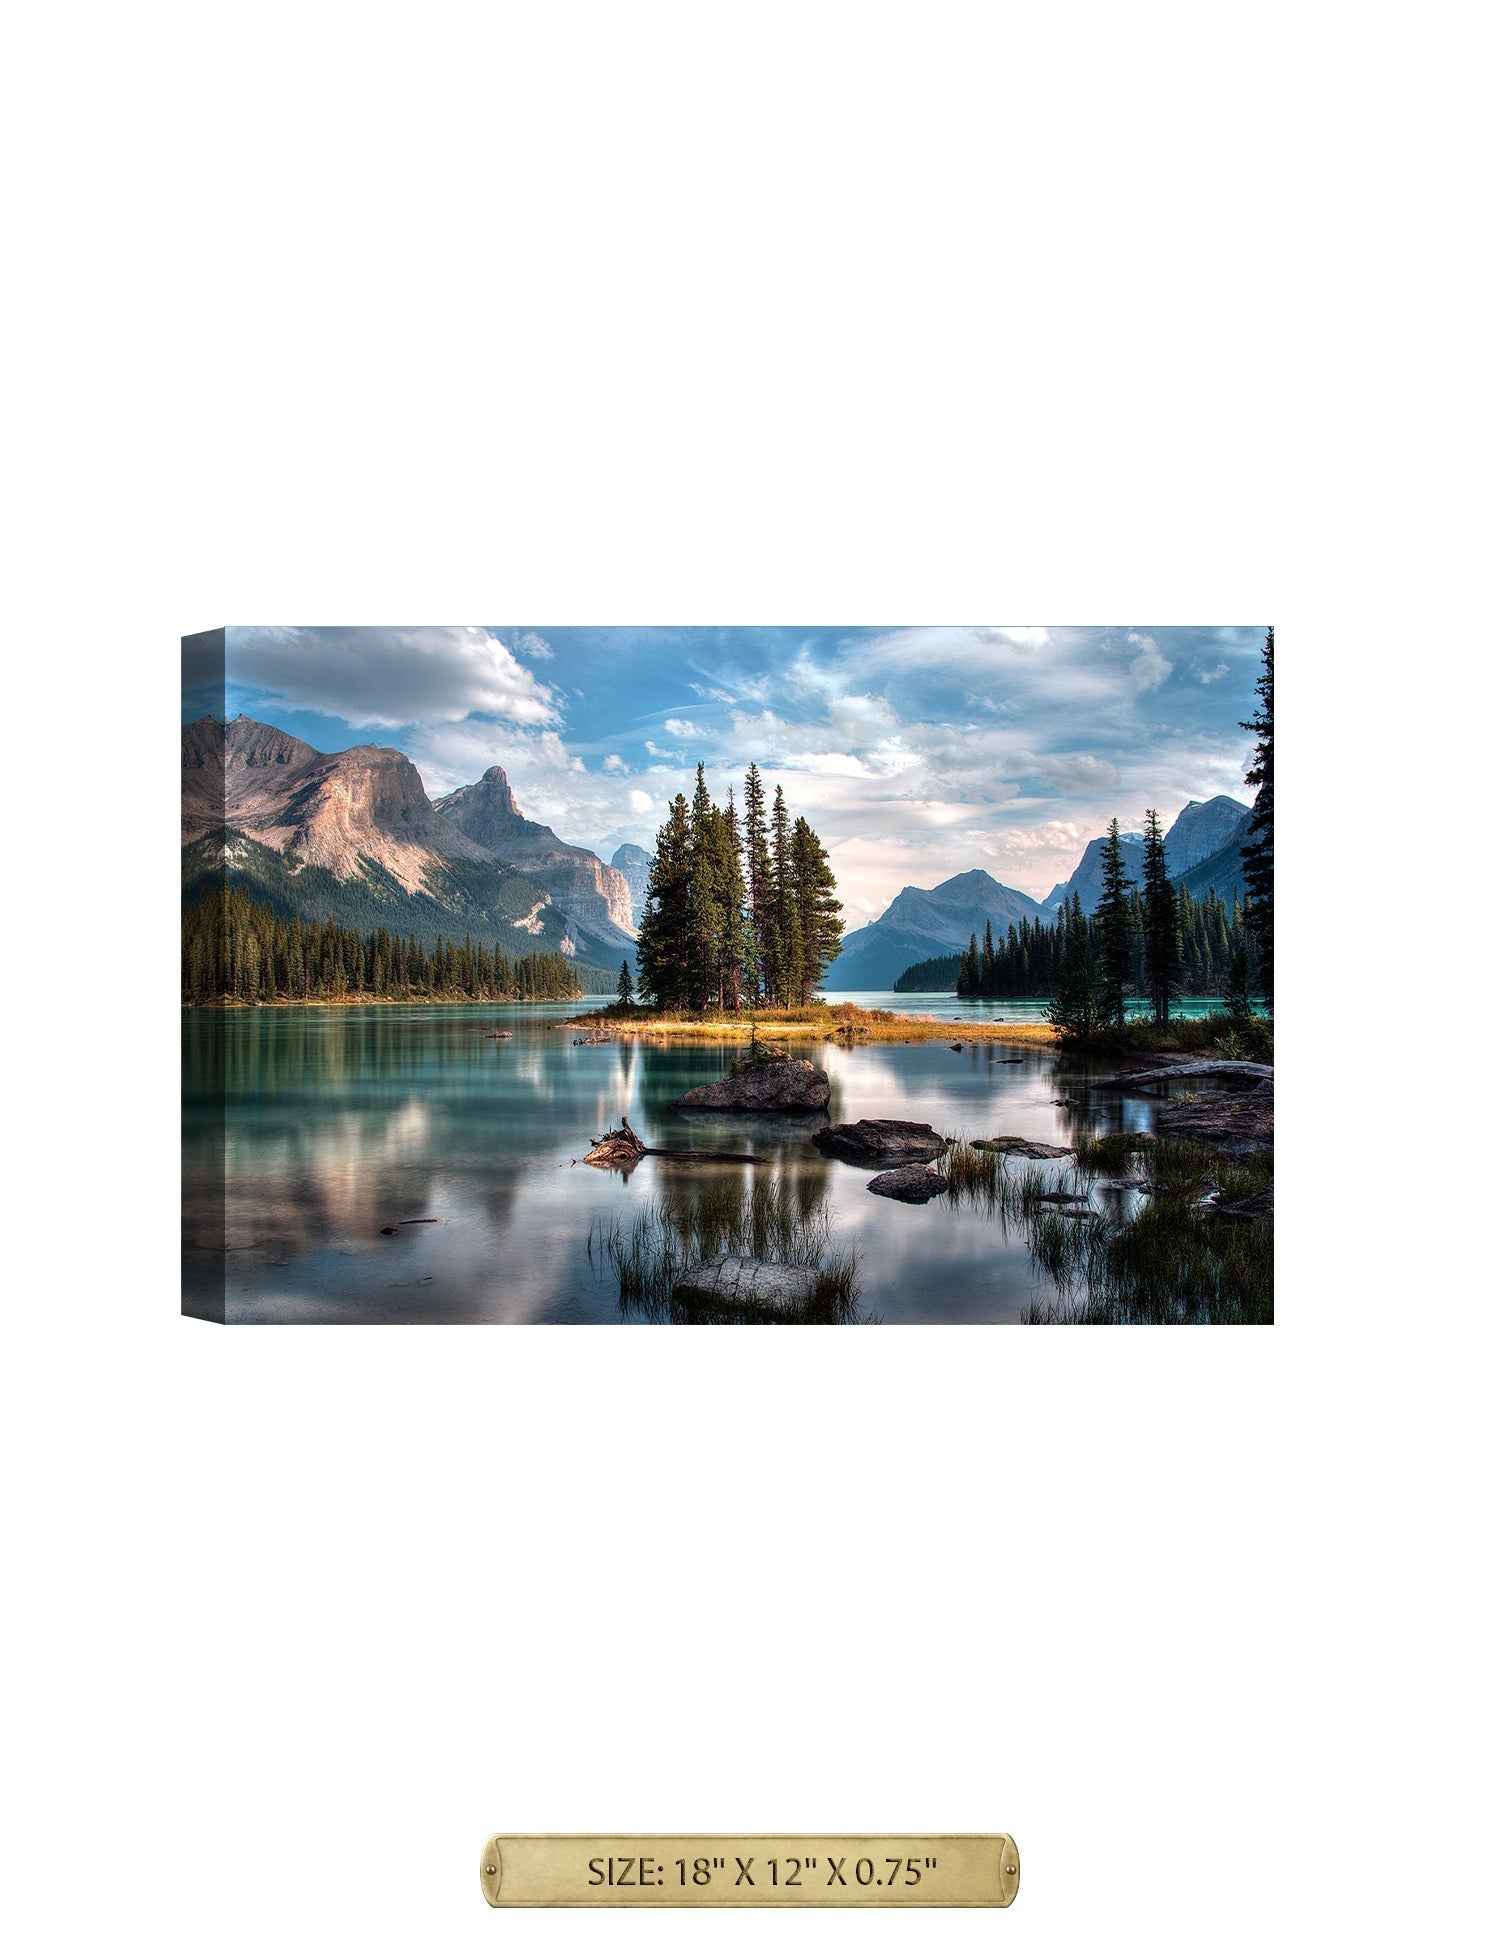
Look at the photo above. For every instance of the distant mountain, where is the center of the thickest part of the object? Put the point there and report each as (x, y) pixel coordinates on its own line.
(1202, 828)
(635, 863)
(591, 894)
(1087, 878)
(1201, 831)
(352, 837)
(1224, 871)
(922, 922)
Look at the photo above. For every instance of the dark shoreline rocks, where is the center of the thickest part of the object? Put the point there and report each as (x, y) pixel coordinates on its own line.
(1237, 1122)
(1023, 1147)
(881, 1141)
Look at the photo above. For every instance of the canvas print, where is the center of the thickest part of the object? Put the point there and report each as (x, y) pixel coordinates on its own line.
(845, 977)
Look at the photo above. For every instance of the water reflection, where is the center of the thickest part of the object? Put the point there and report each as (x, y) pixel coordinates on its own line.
(308, 1132)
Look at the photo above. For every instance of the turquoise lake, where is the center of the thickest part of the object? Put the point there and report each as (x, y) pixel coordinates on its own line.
(305, 1131)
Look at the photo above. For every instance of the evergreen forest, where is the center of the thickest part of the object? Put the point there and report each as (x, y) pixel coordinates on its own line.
(238, 950)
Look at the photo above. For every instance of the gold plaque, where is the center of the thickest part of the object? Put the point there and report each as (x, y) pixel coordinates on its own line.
(744, 1871)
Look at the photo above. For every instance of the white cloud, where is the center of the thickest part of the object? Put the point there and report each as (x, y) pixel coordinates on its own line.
(534, 646)
(391, 677)
(907, 751)
(1150, 669)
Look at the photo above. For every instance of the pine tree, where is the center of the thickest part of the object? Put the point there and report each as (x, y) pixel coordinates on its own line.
(625, 993)
(784, 946)
(663, 942)
(819, 930)
(757, 876)
(705, 916)
(1236, 991)
(1257, 852)
(1163, 949)
(1075, 1005)
(733, 929)
(1112, 925)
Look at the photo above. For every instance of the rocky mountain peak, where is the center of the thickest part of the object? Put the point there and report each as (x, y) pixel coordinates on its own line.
(585, 889)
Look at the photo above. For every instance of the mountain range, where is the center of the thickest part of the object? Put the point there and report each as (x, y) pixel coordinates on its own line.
(352, 836)
(925, 921)
(921, 924)
(1202, 829)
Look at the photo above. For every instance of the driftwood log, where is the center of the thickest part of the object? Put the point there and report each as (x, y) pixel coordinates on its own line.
(1250, 1073)
(623, 1147)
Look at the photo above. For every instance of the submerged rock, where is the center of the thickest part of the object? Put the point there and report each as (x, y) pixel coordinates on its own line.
(788, 1083)
(1258, 1206)
(913, 1184)
(735, 1279)
(880, 1141)
(1023, 1147)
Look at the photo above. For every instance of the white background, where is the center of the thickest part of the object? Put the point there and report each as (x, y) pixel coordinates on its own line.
(815, 313)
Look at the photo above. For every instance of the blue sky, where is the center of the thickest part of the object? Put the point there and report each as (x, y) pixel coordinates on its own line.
(916, 752)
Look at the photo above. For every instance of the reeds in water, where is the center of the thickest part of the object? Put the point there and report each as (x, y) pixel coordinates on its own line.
(771, 1218)
(1172, 1260)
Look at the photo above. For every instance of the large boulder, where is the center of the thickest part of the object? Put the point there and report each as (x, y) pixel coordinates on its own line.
(736, 1280)
(881, 1141)
(913, 1184)
(790, 1083)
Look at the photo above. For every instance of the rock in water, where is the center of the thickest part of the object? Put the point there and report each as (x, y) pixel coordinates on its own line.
(880, 1141)
(735, 1279)
(911, 1183)
(789, 1084)
(1023, 1147)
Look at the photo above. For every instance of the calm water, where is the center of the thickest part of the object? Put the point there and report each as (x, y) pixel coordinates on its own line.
(336, 1122)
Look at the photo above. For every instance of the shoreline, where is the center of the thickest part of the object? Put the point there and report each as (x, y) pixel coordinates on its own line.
(392, 1001)
(899, 1029)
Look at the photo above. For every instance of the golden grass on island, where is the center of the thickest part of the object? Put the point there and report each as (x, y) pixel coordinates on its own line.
(843, 1022)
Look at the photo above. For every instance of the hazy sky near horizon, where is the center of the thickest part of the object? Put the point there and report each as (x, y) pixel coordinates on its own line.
(917, 753)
